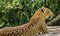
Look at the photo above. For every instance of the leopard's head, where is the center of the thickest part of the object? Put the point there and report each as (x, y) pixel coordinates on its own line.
(42, 13)
(47, 13)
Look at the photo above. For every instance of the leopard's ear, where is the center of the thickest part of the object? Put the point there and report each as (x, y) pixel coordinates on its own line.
(42, 7)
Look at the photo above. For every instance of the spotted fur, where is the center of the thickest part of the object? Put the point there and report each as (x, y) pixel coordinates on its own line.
(35, 25)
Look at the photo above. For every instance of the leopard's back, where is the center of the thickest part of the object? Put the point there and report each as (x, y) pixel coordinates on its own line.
(24, 30)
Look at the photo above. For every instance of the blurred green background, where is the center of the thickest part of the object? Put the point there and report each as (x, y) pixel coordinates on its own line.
(17, 12)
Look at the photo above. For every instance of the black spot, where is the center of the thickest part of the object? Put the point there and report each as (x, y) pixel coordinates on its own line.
(14, 34)
(16, 30)
(11, 33)
(23, 30)
(21, 33)
(8, 33)
(28, 27)
(31, 25)
(5, 33)
(17, 33)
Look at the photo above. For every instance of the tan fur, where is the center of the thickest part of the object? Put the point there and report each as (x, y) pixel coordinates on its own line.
(35, 25)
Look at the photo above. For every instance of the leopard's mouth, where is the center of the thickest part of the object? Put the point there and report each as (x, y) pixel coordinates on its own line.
(50, 17)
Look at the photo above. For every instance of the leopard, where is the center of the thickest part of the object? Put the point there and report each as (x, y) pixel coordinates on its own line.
(36, 24)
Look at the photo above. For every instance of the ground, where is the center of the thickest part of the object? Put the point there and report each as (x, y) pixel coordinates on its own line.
(53, 31)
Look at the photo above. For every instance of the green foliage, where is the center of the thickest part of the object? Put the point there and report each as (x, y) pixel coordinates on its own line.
(17, 12)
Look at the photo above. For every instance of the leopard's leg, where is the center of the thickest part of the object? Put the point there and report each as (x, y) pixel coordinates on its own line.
(43, 29)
